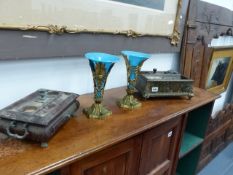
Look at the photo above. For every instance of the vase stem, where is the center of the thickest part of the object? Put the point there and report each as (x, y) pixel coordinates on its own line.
(134, 62)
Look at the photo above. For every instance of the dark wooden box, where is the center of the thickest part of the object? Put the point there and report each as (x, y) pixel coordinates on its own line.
(163, 84)
(38, 116)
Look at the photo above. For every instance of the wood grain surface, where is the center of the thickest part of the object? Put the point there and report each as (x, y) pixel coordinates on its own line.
(80, 136)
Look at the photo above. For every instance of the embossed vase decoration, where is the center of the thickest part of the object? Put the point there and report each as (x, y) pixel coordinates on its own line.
(134, 62)
(101, 65)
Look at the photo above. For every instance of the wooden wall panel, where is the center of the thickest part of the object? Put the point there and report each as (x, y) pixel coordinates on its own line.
(205, 63)
(209, 13)
(188, 61)
(204, 22)
(197, 59)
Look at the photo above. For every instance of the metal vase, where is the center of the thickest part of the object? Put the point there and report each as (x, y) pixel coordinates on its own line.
(101, 65)
(134, 62)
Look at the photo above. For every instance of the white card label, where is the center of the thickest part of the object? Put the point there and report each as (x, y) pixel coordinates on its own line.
(169, 134)
(155, 89)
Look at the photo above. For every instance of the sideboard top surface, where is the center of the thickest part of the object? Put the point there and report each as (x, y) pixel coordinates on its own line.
(80, 136)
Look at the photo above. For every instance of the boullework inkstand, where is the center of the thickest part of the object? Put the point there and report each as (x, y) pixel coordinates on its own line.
(38, 116)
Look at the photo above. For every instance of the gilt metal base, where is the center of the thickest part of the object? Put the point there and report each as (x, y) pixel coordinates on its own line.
(97, 111)
(129, 102)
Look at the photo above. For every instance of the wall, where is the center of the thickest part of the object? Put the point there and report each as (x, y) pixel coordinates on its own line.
(19, 78)
(16, 44)
(206, 20)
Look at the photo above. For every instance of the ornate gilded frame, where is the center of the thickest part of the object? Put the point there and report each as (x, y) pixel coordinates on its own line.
(220, 53)
(56, 29)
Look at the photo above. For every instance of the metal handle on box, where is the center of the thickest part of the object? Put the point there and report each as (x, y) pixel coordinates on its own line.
(17, 136)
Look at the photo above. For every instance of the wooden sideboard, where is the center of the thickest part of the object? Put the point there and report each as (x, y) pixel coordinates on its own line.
(163, 137)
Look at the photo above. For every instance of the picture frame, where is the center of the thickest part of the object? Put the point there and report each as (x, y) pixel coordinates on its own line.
(132, 18)
(220, 70)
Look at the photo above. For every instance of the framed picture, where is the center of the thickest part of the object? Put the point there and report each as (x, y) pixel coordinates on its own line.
(220, 70)
(129, 17)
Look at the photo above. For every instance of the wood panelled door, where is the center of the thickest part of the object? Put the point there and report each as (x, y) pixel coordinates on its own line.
(121, 159)
(154, 152)
(159, 148)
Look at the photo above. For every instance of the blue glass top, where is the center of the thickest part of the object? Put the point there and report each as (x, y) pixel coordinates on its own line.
(101, 57)
(135, 54)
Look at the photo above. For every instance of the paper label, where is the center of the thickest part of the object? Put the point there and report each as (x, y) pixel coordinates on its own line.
(155, 89)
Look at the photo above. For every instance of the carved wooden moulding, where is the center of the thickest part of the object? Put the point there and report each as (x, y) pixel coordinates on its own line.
(218, 135)
(38, 116)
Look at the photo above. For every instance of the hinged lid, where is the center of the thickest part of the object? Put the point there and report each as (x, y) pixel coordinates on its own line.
(160, 75)
(40, 107)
